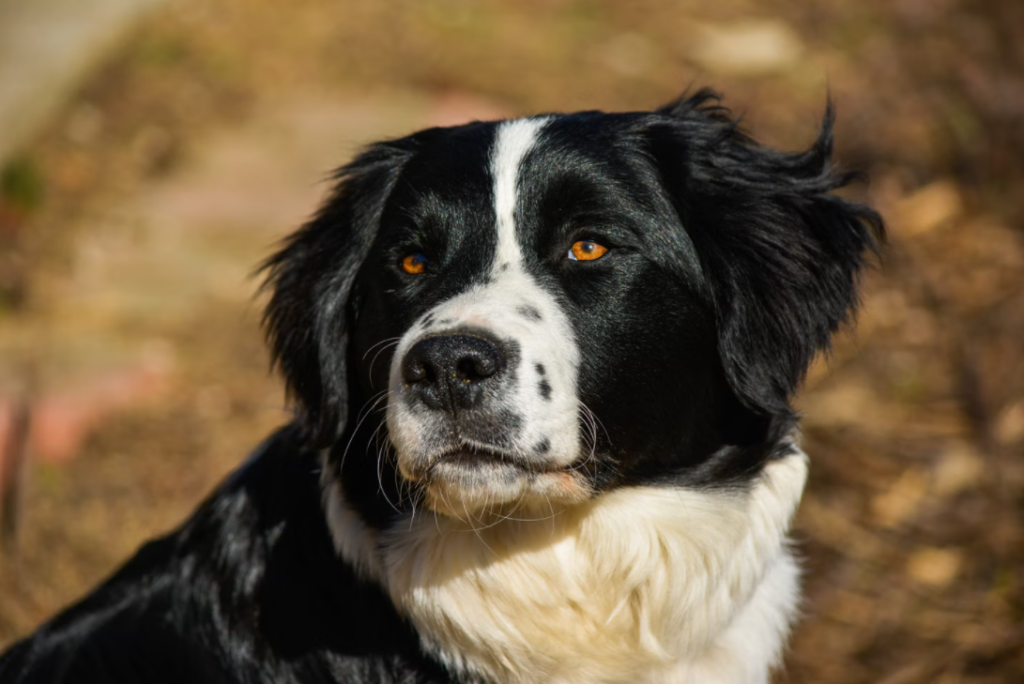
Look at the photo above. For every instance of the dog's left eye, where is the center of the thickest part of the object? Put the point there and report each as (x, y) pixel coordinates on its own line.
(586, 250)
(414, 263)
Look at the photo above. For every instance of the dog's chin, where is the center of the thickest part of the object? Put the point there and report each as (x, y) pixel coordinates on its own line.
(474, 485)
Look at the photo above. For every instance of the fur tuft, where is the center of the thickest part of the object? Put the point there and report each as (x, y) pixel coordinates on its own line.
(306, 320)
(783, 252)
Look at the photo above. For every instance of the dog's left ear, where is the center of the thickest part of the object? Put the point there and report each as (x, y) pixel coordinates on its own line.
(310, 280)
(780, 253)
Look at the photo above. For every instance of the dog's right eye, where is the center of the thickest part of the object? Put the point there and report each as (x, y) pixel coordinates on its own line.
(586, 250)
(414, 264)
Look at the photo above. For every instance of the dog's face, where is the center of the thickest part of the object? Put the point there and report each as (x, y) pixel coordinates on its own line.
(530, 277)
(550, 307)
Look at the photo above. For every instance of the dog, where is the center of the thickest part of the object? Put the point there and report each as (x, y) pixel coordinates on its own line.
(542, 371)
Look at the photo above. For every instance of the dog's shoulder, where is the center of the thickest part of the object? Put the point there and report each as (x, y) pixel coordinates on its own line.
(248, 589)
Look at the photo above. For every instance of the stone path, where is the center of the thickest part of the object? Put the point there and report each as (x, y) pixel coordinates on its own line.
(46, 48)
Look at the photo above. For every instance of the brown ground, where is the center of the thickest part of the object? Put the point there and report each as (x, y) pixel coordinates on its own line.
(126, 235)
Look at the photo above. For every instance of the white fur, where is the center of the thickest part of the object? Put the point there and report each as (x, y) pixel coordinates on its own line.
(512, 143)
(353, 540)
(639, 585)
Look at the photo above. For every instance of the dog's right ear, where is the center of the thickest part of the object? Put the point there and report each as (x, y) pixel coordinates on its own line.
(311, 279)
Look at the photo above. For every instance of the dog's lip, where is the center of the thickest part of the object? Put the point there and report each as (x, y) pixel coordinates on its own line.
(466, 456)
(478, 456)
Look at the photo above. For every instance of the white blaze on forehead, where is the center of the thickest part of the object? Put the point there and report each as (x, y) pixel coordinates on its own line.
(512, 143)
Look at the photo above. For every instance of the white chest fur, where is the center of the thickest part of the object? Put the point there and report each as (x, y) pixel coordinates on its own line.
(643, 584)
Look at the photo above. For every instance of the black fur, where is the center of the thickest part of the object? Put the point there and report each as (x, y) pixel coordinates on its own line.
(248, 590)
(731, 266)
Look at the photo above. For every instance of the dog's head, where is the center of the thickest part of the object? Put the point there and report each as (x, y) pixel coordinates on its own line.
(549, 307)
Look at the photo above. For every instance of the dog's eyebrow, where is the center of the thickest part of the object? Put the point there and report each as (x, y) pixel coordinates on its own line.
(625, 227)
(613, 220)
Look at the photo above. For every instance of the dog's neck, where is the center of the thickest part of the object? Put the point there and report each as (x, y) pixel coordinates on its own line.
(640, 584)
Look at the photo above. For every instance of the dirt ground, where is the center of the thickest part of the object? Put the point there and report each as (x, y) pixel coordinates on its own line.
(129, 324)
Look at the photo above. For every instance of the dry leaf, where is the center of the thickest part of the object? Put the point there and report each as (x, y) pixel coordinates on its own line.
(928, 208)
(747, 47)
(902, 500)
(934, 567)
(959, 468)
(1009, 427)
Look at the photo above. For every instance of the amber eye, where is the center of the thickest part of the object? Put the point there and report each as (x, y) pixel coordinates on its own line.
(414, 263)
(587, 250)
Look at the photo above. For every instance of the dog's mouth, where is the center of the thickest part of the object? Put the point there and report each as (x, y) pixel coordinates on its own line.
(476, 456)
(467, 459)
(473, 479)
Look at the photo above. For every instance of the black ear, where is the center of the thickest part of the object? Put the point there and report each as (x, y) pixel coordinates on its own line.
(781, 254)
(311, 278)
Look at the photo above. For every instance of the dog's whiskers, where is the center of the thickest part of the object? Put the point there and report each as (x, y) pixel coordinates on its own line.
(385, 341)
(393, 343)
(363, 414)
(380, 481)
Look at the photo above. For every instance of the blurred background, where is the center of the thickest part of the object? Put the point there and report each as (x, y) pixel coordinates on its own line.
(153, 152)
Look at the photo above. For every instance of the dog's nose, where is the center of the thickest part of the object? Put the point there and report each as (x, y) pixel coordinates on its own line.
(450, 371)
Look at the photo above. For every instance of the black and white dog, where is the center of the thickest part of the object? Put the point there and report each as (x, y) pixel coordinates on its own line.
(543, 370)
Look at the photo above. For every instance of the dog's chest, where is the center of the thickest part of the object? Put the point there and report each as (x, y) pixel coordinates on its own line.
(640, 585)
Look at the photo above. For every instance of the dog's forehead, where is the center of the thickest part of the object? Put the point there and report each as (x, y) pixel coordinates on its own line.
(464, 173)
(547, 145)
(450, 161)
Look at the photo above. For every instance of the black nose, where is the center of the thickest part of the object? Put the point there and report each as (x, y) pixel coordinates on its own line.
(449, 372)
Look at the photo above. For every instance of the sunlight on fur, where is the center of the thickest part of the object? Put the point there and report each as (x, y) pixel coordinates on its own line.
(640, 584)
